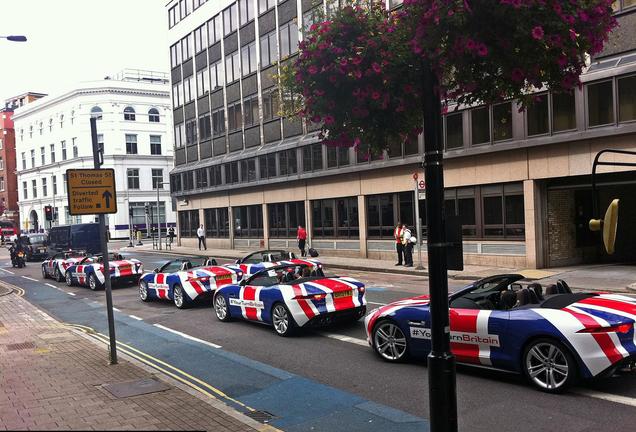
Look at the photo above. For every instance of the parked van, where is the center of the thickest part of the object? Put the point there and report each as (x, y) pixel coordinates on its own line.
(83, 237)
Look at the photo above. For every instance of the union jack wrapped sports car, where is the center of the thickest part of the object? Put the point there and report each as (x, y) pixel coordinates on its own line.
(259, 260)
(89, 271)
(286, 297)
(553, 338)
(183, 281)
(55, 267)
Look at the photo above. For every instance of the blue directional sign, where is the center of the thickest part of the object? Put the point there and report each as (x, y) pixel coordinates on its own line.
(91, 191)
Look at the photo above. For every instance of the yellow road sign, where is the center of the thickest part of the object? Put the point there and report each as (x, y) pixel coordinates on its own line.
(91, 191)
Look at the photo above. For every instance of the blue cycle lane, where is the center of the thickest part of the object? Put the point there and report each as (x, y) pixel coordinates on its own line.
(297, 403)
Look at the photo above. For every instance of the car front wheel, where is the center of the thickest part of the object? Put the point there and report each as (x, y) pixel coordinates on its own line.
(549, 366)
(221, 310)
(45, 275)
(389, 342)
(58, 275)
(143, 291)
(69, 279)
(93, 283)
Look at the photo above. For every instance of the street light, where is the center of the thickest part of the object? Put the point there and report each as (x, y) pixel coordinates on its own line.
(14, 38)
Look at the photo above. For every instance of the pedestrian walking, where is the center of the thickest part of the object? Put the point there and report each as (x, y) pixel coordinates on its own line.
(201, 235)
(301, 237)
(171, 234)
(399, 246)
(409, 241)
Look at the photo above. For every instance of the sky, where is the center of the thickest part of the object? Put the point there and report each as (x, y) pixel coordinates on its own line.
(71, 41)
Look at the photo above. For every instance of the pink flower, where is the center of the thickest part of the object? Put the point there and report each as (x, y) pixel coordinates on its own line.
(333, 79)
(313, 69)
(356, 60)
(376, 67)
(537, 33)
(375, 95)
(343, 62)
(482, 50)
(329, 120)
(516, 75)
(316, 119)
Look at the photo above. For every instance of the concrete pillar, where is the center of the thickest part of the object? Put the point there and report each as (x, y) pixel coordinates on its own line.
(308, 222)
(265, 226)
(533, 223)
(362, 224)
(230, 217)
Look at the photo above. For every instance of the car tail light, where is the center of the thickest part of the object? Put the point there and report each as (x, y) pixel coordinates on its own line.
(621, 328)
(311, 297)
(362, 289)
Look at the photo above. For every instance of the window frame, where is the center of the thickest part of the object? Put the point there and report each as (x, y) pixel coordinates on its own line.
(132, 174)
(130, 114)
(131, 144)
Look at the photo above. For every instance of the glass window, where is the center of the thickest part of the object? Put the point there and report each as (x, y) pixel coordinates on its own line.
(96, 112)
(246, 11)
(493, 215)
(187, 90)
(265, 5)
(627, 97)
(454, 131)
(188, 223)
(232, 67)
(133, 178)
(43, 155)
(270, 105)
(248, 221)
(250, 110)
(380, 216)
(178, 136)
(129, 113)
(288, 162)
(230, 19)
(563, 112)
(537, 116)
(269, 54)
(231, 173)
(312, 157)
(234, 117)
(203, 82)
(480, 122)
(205, 127)
(502, 121)
(214, 30)
(153, 115)
(131, 144)
(157, 178)
(34, 187)
(218, 122)
(216, 222)
(155, 144)
(600, 103)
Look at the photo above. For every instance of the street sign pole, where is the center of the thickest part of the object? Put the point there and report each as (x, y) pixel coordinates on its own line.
(97, 159)
(418, 223)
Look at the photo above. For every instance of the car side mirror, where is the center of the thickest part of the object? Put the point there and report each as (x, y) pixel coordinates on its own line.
(156, 270)
(515, 286)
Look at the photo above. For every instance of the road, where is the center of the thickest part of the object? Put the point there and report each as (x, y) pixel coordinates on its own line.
(331, 363)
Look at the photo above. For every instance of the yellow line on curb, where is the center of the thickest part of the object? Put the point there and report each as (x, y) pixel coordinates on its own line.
(220, 393)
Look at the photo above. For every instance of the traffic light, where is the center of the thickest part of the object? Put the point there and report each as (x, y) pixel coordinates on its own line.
(48, 211)
(146, 208)
(609, 225)
(130, 212)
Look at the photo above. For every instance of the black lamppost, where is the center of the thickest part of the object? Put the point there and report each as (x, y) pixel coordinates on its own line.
(14, 38)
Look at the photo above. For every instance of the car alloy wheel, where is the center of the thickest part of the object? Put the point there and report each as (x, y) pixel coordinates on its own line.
(143, 291)
(220, 308)
(44, 273)
(92, 282)
(178, 297)
(58, 275)
(69, 278)
(281, 320)
(389, 341)
(549, 365)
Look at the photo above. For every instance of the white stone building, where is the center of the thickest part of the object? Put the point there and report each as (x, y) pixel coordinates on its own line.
(53, 135)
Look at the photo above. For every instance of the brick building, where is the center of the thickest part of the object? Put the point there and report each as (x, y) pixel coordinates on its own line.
(519, 181)
(8, 178)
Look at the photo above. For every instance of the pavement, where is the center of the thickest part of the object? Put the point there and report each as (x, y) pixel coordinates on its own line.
(606, 277)
(54, 378)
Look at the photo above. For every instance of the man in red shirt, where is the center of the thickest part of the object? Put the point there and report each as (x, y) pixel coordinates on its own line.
(301, 236)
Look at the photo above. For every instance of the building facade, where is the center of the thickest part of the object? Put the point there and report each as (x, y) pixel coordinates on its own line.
(519, 181)
(8, 177)
(53, 134)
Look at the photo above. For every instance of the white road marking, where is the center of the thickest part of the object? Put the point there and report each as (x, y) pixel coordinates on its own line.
(625, 400)
(136, 317)
(374, 303)
(10, 272)
(51, 285)
(344, 338)
(116, 309)
(187, 336)
(70, 293)
(31, 279)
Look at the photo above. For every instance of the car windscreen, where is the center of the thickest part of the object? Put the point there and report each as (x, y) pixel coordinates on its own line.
(37, 239)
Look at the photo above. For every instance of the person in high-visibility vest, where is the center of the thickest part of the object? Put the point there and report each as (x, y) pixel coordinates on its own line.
(398, 234)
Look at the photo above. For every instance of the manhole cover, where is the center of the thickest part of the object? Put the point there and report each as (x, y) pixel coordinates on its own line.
(260, 416)
(135, 388)
(20, 346)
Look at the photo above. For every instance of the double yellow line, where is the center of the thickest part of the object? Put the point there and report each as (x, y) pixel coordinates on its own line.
(168, 369)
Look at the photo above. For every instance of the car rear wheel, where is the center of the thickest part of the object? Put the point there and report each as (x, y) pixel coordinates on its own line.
(221, 310)
(93, 283)
(58, 275)
(282, 320)
(143, 291)
(178, 296)
(389, 342)
(69, 278)
(549, 365)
